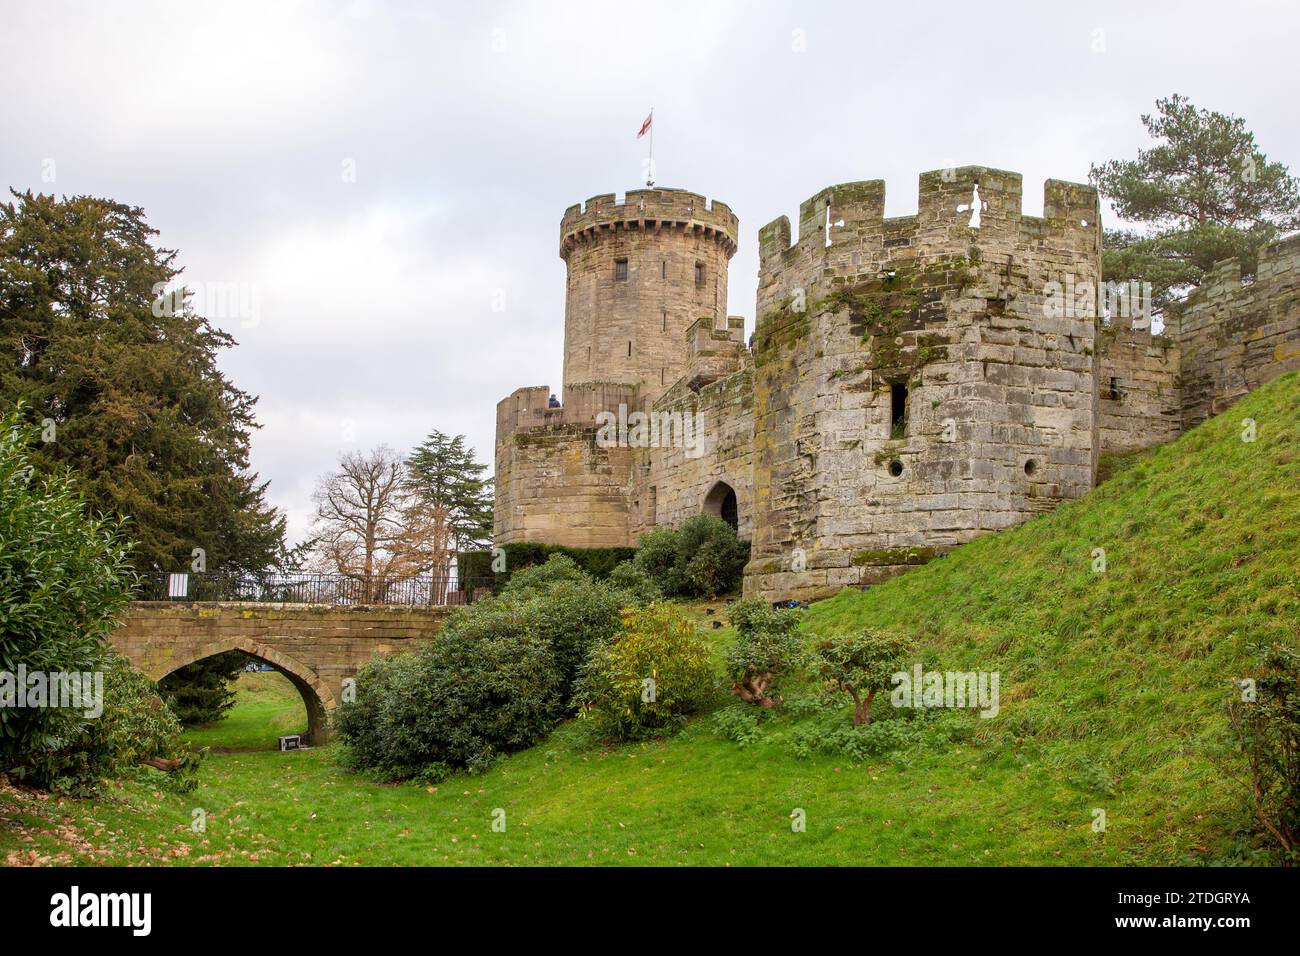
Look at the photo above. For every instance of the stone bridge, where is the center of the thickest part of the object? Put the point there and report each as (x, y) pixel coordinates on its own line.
(316, 646)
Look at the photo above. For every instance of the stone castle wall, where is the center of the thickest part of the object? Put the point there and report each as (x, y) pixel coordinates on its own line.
(1000, 408)
(1139, 389)
(1236, 335)
(913, 382)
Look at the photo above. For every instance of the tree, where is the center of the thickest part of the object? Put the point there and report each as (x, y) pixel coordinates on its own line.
(127, 385)
(361, 526)
(202, 692)
(767, 647)
(452, 502)
(861, 664)
(1204, 192)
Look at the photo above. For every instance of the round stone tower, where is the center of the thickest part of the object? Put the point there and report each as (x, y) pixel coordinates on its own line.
(639, 273)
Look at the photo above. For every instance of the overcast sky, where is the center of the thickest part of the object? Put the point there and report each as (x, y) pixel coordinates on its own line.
(379, 175)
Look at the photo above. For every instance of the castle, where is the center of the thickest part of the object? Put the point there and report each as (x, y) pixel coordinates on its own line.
(912, 382)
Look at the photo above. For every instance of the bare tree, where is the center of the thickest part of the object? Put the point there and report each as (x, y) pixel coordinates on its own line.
(362, 525)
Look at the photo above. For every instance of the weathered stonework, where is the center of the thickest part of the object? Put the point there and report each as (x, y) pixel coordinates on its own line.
(909, 386)
(316, 647)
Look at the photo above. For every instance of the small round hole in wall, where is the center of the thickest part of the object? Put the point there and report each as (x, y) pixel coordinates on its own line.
(895, 467)
(1031, 466)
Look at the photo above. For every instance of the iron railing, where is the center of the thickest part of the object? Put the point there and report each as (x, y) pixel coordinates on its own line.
(305, 588)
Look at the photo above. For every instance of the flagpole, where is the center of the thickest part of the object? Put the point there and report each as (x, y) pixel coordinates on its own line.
(650, 170)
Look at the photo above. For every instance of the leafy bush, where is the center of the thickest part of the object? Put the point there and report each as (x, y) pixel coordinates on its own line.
(571, 617)
(535, 580)
(702, 558)
(475, 567)
(860, 664)
(647, 680)
(487, 686)
(740, 723)
(767, 645)
(64, 581)
(924, 731)
(657, 558)
(1267, 732)
(712, 559)
(634, 584)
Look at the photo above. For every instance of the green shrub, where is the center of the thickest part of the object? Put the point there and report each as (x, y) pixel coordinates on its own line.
(740, 723)
(767, 646)
(475, 567)
(635, 585)
(646, 681)
(1267, 734)
(712, 559)
(657, 558)
(861, 664)
(64, 581)
(486, 686)
(572, 617)
(702, 558)
(927, 731)
(535, 580)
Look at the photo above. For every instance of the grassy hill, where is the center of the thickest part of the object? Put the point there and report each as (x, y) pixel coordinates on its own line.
(1113, 695)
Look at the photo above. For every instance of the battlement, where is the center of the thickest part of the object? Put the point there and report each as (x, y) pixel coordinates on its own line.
(659, 209)
(852, 216)
(1280, 258)
(528, 408)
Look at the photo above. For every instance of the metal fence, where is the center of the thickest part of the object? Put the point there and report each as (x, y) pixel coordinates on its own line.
(302, 588)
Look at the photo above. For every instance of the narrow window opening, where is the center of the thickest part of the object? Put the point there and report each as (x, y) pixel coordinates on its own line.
(665, 326)
(629, 349)
(699, 274)
(664, 267)
(620, 270)
(974, 207)
(898, 410)
(1114, 390)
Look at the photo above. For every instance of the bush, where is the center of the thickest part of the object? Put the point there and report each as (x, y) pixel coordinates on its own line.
(647, 680)
(1267, 732)
(657, 558)
(572, 617)
(702, 558)
(634, 585)
(64, 581)
(924, 731)
(766, 647)
(860, 664)
(712, 559)
(487, 686)
(535, 580)
(475, 567)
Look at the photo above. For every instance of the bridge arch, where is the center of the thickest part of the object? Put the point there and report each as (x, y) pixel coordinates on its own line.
(319, 700)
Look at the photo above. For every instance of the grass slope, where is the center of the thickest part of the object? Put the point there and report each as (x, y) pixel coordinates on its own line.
(1113, 694)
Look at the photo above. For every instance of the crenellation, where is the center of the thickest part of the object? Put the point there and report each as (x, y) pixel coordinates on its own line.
(910, 384)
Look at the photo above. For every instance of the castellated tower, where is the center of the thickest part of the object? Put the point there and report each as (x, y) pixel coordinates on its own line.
(640, 273)
(918, 380)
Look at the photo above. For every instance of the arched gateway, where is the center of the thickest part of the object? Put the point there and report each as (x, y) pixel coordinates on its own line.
(721, 502)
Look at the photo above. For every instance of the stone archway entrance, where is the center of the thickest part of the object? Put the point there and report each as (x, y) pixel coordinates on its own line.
(721, 502)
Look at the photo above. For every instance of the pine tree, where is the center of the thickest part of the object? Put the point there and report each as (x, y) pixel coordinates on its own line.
(1204, 192)
(453, 501)
(130, 394)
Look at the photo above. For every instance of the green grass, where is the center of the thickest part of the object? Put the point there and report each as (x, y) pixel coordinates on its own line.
(1114, 687)
(267, 709)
